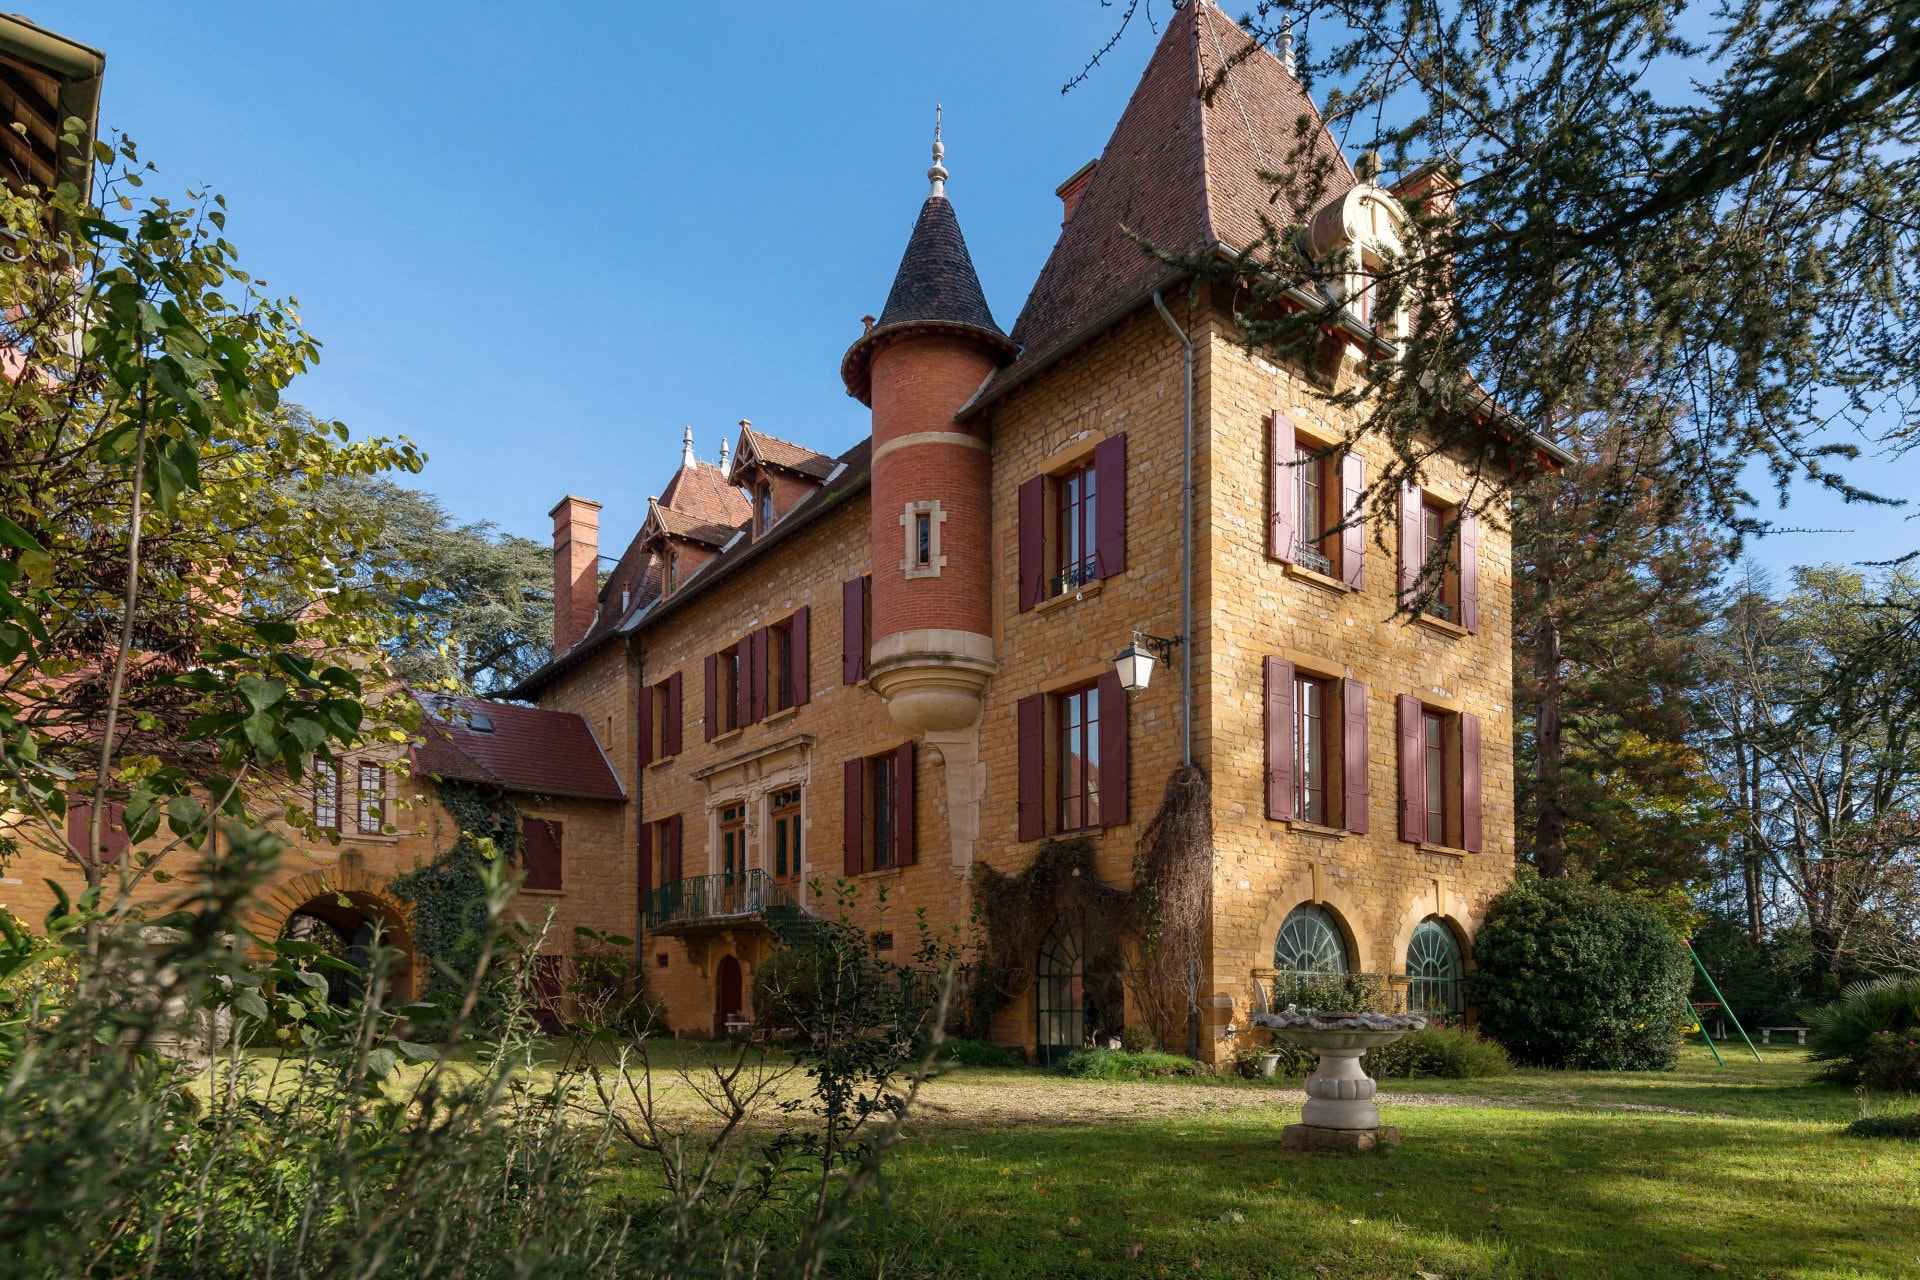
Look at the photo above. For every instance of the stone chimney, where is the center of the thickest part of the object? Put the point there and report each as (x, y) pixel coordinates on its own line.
(1073, 188)
(576, 569)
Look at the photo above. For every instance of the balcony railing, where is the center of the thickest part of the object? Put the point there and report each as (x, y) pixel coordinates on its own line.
(1071, 578)
(1308, 555)
(724, 898)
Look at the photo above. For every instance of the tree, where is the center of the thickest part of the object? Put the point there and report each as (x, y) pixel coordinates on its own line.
(1817, 715)
(174, 641)
(480, 602)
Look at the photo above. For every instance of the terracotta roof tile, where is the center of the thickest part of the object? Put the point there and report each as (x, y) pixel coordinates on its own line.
(785, 453)
(704, 493)
(681, 525)
(528, 749)
(1181, 173)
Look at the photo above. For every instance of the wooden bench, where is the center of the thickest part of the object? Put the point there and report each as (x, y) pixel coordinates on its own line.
(1799, 1034)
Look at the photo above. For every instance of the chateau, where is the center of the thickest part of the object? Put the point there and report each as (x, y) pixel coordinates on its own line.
(884, 668)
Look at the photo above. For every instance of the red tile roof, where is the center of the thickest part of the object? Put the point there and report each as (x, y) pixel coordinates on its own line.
(782, 453)
(704, 494)
(1182, 173)
(528, 750)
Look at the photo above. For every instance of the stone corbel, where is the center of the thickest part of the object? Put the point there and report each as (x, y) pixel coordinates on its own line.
(966, 783)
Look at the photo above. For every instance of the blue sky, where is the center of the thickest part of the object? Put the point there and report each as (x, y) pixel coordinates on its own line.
(540, 239)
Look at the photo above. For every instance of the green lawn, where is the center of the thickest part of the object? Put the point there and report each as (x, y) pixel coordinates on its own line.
(1740, 1171)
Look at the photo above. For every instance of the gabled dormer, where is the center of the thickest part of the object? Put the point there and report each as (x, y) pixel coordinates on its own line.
(776, 475)
(696, 517)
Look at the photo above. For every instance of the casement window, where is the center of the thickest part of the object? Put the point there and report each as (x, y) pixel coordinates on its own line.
(372, 797)
(732, 844)
(113, 831)
(878, 811)
(1076, 720)
(540, 840)
(783, 819)
(660, 720)
(727, 691)
(1312, 489)
(1073, 524)
(1073, 769)
(326, 795)
(1316, 747)
(1440, 558)
(1440, 775)
(660, 848)
(856, 628)
(786, 656)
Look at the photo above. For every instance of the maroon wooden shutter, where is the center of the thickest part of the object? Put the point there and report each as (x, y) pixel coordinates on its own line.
(540, 853)
(646, 725)
(1353, 755)
(1413, 773)
(1279, 735)
(853, 633)
(676, 828)
(853, 815)
(800, 656)
(1353, 536)
(79, 818)
(713, 695)
(670, 738)
(1470, 782)
(1110, 505)
(1284, 488)
(743, 682)
(755, 657)
(646, 866)
(1470, 571)
(1411, 543)
(905, 845)
(1033, 533)
(1030, 717)
(1116, 769)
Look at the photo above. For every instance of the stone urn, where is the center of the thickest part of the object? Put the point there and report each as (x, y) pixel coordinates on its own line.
(1340, 1114)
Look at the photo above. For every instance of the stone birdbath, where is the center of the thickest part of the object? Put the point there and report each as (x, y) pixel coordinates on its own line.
(1340, 1114)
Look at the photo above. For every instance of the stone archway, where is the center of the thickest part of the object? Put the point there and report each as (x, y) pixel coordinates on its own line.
(348, 901)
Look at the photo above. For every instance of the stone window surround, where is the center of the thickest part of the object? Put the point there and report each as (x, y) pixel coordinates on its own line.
(936, 559)
(755, 793)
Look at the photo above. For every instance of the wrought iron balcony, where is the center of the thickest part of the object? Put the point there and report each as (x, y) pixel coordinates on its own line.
(717, 901)
(1072, 578)
(1308, 555)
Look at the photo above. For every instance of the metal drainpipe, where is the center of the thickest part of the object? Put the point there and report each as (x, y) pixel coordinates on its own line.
(1186, 540)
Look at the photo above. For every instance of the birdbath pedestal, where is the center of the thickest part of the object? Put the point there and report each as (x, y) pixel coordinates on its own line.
(1340, 1114)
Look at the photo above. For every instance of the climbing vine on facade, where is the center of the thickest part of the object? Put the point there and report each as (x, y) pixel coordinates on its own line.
(1014, 913)
(448, 895)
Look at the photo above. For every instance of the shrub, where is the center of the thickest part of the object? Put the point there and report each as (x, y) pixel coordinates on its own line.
(1332, 992)
(1438, 1053)
(1892, 1062)
(1572, 974)
(965, 1052)
(1137, 1039)
(1118, 1064)
(1842, 1033)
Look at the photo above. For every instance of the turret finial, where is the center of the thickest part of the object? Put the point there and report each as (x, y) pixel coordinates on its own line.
(686, 447)
(937, 174)
(723, 455)
(1287, 59)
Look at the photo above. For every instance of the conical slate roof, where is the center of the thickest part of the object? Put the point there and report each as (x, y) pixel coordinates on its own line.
(935, 287)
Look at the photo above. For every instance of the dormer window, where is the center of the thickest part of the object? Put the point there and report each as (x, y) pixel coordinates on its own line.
(763, 514)
(673, 571)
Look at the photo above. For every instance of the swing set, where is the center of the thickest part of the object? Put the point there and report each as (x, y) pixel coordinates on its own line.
(1700, 1015)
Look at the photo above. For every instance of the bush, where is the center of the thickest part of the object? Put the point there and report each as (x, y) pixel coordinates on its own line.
(964, 1052)
(1332, 992)
(1572, 974)
(1842, 1034)
(1438, 1053)
(1892, 1062)
(1118, 1064)
(1137, 1039)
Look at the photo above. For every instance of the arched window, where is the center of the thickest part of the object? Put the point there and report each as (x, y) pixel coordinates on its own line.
(1059, 991)
(1310, 942)
(1435, 970)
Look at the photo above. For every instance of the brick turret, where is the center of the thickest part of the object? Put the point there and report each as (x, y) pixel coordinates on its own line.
(934, 344)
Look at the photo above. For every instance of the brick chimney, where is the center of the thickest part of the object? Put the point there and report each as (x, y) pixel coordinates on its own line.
(1073, 188)
(576, 568)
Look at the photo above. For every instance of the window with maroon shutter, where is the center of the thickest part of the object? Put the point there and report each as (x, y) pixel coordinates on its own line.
(1076, 758)
(1353, 534)
(755, 660)
(1033, 542)
(856, 628)
(1410, 716)
(670, 734)
(677, 848)
(800, 656)
(326, 795)
(1110, 523)
(1282, 521)
(1116, 764)
(113, 831)
(540, 853)
(853, 816)
(1030, 717)
(1353, 746)
(1469, 570)
(710, 721)
(1470, 781)
(1279, 738)
(906, 840)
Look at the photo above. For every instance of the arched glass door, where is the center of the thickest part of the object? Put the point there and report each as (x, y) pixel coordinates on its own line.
(1435, 971)
(1060, 992)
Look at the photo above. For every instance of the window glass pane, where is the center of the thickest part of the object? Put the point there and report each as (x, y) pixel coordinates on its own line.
(1436, 780)
(1309, 700)
(1090, 755)
(1310, 942)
